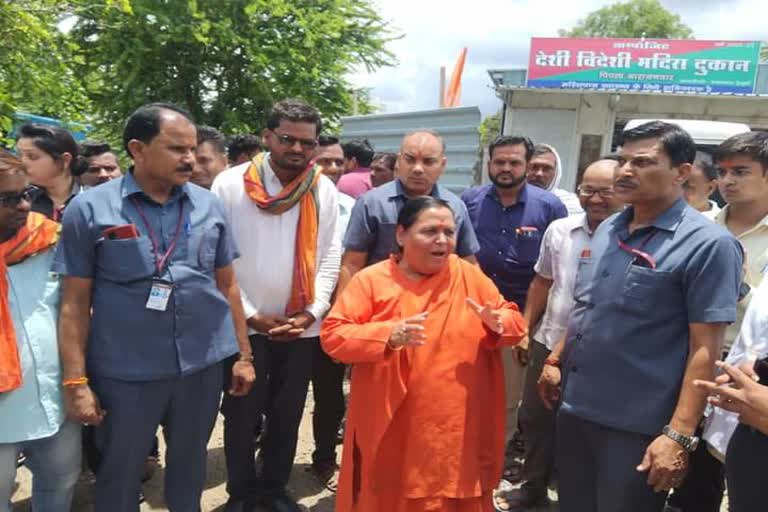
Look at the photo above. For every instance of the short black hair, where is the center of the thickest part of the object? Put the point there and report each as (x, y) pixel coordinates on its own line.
(91, 148)
(676, 142)
(212, 135)
(360, 149)
(753, 145)
(144, 123)
(327, 140)
(704, 162)
(512, 140)
(388, 159)
(413, 208)
(54, 141)
(242, 143)
(295, 111)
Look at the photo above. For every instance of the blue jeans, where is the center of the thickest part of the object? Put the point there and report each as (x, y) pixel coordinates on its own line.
(55, 465)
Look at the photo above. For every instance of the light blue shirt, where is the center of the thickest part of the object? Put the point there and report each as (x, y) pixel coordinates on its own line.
(36, 410)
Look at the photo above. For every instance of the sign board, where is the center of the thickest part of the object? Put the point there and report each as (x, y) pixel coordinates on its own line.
(644, 65)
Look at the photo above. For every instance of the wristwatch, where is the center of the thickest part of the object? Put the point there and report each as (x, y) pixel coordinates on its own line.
(689, 443)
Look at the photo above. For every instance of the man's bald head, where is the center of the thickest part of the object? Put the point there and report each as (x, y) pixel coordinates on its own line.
(421, 162)
(596, 191)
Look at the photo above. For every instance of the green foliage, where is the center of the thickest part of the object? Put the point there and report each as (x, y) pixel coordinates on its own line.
(634, 18)
(36, 75)
(490, 128)
(227, 61)
(764, 51)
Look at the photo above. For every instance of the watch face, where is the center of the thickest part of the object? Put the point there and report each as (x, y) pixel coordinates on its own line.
(694, 443)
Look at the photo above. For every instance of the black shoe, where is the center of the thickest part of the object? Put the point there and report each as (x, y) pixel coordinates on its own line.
(280, 503)
(235, 505)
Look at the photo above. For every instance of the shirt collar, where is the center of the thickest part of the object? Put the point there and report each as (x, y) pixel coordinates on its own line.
(722, 216)
(130, 187)
(399, 191)
(669, 220)
(522, 196)
(580, 222)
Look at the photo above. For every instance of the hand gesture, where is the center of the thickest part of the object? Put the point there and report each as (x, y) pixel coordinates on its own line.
(490, 317)
(409, 332)
(82, 405)
(549, 385)
(666, 463)
(737, 390)
(521, 351)
(293, 328)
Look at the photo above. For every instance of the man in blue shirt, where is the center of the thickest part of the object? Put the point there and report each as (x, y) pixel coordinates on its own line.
(370, 236)
(653, 297)
(150, 309)
(32, 416)
(510, 217)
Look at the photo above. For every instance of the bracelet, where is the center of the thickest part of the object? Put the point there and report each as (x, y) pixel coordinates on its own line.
(71, 383)
(552, 361)
(390, 346)
(245, 358)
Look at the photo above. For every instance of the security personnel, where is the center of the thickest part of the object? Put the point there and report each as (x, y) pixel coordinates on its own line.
(653, 297)
(150, 310)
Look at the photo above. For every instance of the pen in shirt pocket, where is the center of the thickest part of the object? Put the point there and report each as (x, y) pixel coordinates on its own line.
(186, 228)
(526, 231)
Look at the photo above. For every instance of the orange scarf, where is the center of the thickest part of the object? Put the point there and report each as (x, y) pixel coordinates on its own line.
(37, 235)
(302, 190)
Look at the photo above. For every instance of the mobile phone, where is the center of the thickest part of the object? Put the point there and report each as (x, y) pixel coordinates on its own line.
(124, 232)
(761, 369)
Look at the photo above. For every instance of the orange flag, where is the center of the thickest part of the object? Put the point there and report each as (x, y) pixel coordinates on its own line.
(453, 92)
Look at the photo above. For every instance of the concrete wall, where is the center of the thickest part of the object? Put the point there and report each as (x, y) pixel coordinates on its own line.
(458, 127)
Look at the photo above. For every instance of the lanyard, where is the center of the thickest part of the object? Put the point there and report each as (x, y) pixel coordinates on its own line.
(638, 252)
(160, 261)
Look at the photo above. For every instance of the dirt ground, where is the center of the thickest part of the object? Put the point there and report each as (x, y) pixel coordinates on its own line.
(310, 492)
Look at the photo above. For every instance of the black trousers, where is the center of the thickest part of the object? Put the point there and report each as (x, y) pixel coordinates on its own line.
(745, 471)
(283, 370)
(328, 391)
(596, 468)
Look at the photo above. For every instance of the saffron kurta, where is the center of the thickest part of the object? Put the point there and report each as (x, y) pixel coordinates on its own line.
(425, 425)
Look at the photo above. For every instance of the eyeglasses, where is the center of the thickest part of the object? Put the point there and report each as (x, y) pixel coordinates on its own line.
(289, 141)
(605, 193)
(11, 200)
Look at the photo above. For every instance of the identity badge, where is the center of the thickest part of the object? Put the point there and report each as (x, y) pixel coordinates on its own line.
(159, 296)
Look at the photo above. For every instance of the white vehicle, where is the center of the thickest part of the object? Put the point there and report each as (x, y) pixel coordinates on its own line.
(706, 134)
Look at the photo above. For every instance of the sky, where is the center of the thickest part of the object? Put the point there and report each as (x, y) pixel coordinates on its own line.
(498, 32)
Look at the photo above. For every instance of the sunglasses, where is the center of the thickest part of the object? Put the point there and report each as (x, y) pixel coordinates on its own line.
(289, 141)
(13, 200)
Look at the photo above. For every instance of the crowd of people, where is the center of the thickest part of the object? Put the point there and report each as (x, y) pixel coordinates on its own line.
(613, 339)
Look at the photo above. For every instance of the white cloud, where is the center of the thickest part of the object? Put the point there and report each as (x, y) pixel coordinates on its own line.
(498, 32)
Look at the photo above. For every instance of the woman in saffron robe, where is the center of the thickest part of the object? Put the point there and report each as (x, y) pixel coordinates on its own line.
(425, 426)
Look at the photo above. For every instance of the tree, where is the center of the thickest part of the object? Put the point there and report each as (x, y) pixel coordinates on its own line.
(634, 18)
(227, 61)
(489, 129)
(36, 73)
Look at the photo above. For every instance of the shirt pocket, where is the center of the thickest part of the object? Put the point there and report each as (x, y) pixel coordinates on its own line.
(525, 249)
(647, 289)
(208, 248)
(123, 261)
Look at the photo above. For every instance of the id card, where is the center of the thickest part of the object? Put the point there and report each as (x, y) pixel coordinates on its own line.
(159, 296)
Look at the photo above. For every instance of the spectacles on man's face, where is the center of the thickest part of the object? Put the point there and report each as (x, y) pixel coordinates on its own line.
(605, 193)
(12, 200)
(289, 141)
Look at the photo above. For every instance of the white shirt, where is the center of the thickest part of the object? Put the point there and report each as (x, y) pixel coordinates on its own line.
(570, 200)
(266, 242)
(750, 345)
(563, 243)
(346, 203)
(714, 209)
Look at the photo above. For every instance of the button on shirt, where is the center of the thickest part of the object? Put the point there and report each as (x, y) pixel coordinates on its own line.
(507, 254)
(563, 244)
(36, 410)
(127, 341)
(374, 219)
(755, 243)
(628, 336)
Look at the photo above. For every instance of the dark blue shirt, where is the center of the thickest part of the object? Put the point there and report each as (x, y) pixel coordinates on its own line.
(507, 252)
(127, 341)
(371, 227)
(627, 342)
